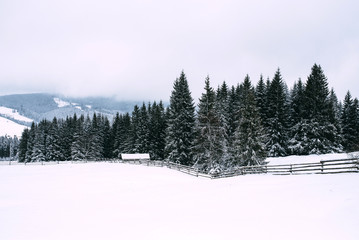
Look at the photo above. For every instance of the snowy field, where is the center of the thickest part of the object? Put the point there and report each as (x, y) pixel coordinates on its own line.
(10, 128)
(120, 201)
(310, 158)
(12, 113)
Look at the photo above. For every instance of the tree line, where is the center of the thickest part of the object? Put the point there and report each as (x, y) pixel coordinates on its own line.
(230, 126)
(8, 146)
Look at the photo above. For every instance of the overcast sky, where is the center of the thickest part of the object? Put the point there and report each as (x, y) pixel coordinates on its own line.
(136, 49)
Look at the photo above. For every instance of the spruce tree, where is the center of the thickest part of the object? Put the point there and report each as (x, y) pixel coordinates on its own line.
(107, 138)
(210, 133)
(233, 112)
(39, 152)
(142, 142)
(54, 152)
(135, 130)
(67, 129)
(157, 131)
(223, 111)
(30, 143)
(181, 121)
(350, 124)
(78, 146)
(115, 136)
(261, 98)
(94, 137)
(278, 119)
(23, 145)
(298, 126)
(318, 111)
(249, 144)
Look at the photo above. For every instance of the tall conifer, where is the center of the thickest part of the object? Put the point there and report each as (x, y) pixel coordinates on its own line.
(181, 121)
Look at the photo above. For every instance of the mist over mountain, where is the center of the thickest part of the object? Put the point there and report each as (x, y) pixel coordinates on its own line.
(39, 106)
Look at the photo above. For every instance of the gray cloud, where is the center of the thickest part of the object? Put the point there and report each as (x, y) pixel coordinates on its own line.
(136, 49)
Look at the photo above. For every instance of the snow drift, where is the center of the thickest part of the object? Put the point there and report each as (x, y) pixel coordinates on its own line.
(120, 201)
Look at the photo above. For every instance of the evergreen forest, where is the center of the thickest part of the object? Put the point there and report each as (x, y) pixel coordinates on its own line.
(8, 147)
(231, 126)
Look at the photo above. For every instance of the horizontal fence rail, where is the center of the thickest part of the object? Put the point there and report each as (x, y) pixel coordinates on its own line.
(350, 165)
(323, 167)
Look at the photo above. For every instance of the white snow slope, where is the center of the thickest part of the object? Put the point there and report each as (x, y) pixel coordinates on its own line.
(60, 103)
(10, 128)
(14, 114)
(119, 201)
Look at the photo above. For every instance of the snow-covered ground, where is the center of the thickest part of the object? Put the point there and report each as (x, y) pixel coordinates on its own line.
(14, 114)
(61, 103)
(309, 159)
(120, 201)
(10, 128)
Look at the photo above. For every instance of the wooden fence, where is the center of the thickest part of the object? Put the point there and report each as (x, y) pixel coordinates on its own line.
(171, 165)
(350, 165)
(323, 167)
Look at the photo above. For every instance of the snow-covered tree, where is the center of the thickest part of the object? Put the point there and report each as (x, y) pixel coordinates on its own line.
(318, 112)
(39, 150)
(78, 146)
(350, 123)
(223, 111)
(181, 123)
(249, 145)
(261, 98)
(157, 131)
(23, 145)
(278, 117)
(54, 152)
(210, 133)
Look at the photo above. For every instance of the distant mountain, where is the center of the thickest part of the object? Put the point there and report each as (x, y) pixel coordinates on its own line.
(22, 109)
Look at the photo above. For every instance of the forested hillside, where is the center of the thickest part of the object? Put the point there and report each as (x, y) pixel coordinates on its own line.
(231, 126)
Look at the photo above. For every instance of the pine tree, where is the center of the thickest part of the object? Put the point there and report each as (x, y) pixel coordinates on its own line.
(278, 119)
(115, 136)
(350, 124)
(78, 146)
(30, 143)
(208, 149)
(298, 126)
(334, 130)
(94, 138)
(107, 138)
(54, 152)
(181, 121)
(135, 130)
(125, 130)
(223, 111)
(261, 98)
(39, 151)
(23, 145)
(142, 142)
(249, 144)
(68, 129)
(233, 112)
(316, 95)
(318, 112)
(297, 102)
(157, 131)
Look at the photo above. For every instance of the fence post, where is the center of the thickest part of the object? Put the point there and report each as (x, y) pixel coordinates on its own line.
(322, 168)
(291, 169)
